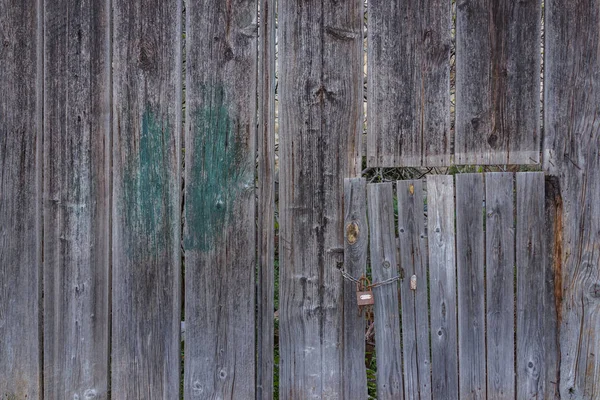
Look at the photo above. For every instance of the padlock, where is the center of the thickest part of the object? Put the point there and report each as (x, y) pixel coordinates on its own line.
(364, 294)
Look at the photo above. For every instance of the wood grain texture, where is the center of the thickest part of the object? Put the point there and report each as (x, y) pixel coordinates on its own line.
(415, 304)
(408, 83)
(146, 209)
(266, 201)
(21, 39)
(500, 289)
(76, 199)
(220, 227)
(497, 82)
(321, 89)
(471, 295)
(383, 250)
(533, 310)
(442, 283)
(356, 243)
(571, 153)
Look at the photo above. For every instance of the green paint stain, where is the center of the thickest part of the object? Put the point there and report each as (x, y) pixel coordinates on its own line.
(220, 171)
(146, 188)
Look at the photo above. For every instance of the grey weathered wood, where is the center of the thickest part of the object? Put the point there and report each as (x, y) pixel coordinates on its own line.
(497, 82)
(21, 91)
(383, 249)
(442, 283)
(321, 89)
(408, 83)
(146, 204)
(500, 289)
(266, 201)
(415, 305)
(471, 298)
(533, 324)
(571, 148)
(356, 242)
(220, 227)
(76, 199)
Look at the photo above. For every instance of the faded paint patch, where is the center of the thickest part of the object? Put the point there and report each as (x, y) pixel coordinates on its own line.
(146, 181)
(219, 172)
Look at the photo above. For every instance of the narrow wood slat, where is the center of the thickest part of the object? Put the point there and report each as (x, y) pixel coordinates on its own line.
(356, 241)
(220, 228)
(321, 90)
(21, 33)
(415, 305)
(500, 278)
(266, 202)
(471, 298)
(442, 278)
(571, 153)
(146, 216)
(76, 199)
(532, 309)
(408, 83)
(497, 82)
(383, 249)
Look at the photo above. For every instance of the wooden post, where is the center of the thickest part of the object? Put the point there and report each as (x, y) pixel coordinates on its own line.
(572, 154)
(321, 87)
(21, 39)
(77, 145)
(146, 203)
(220, 207)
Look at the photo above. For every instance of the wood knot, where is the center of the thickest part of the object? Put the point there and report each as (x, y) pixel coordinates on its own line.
(352, 232)
(146, 57)
(595, 291)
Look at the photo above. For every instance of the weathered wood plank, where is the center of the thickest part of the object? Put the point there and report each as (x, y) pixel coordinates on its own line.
(76, 199)
(553, 228)
(533, 310)
(146, 217)
(383, 250)
(321, 89)
(571, 152)
(220, 228)
(266, 201)
(408, 83)
(500, 279)
(442, 278)
(415, 305)
(356, 242)
(497, 82)
(471, 298)
(21, 33)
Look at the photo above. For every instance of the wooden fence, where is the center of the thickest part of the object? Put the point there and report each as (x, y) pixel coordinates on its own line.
(137, 190)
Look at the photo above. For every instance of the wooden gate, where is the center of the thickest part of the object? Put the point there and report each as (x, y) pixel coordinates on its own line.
(474, 314)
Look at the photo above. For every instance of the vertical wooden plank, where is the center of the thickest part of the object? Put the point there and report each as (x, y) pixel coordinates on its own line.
(408, 83)
(442, 278)
(532, 308)
(571, 153)
(383, 249)
(266, 201)
(220, 227)
(146, 210)
(321, 92)
(500, 278)
(498, 82)
(76, 199)
(415, 304)
(21, 39)
(356, 242)
(471, 295)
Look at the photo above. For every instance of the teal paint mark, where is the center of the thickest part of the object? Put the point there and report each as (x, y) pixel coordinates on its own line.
(146, 183)
(220, 171)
